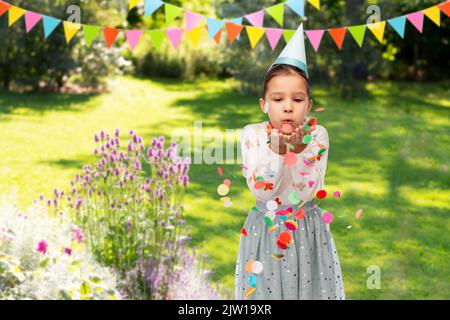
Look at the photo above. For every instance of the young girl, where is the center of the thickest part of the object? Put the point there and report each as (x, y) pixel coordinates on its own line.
(286, 249)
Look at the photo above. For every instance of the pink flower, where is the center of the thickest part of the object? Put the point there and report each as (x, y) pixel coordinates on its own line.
(42, 247)
(78, 234)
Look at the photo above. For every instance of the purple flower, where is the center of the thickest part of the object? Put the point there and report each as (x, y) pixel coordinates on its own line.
(117, 132)
(96, 138)
(68, 251)
(78, 234)
(42, 247)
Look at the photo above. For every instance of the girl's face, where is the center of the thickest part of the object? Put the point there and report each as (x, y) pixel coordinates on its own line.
(288, 100)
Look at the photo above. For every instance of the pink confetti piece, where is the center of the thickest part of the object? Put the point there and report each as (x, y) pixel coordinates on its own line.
(219, 170)
(337, 194)
(304, 173)
(309, 164)
(227, 182)
(327, 217)
(358, 213)
(311, 183)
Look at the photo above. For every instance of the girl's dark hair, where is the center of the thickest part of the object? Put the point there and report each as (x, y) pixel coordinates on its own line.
(284, 69)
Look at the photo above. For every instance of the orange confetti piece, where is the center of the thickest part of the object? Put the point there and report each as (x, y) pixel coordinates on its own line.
(219, 170)
(249, 292)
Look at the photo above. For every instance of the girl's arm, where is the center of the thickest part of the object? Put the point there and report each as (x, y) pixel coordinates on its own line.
(253, 166)
(309, 179)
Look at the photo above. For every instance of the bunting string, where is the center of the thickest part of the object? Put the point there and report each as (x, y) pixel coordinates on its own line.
(214, 28)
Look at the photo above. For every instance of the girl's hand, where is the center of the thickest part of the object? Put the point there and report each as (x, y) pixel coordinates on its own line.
(277, 142)
(296, 137)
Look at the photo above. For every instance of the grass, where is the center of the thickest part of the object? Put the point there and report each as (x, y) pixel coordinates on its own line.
(388, 155)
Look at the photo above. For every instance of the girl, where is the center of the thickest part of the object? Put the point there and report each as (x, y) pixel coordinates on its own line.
(286, 249)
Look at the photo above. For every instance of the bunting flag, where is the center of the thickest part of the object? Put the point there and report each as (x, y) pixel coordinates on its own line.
(151, 6)
(233, 27)
(377, 29)
(315, 36)
(254, 35)
(195, 35)
(192, 20)
(277, 13)
(50, 25)
(15, 13)
(90, 32)
(133, 37)
(233, 31)
(273, 36)
(31, 20)
(398, 24)
(174, 35)
(110, 36)
(172, 12)
(70, 28)
(338, 35)
(256, 18)
(133, 3)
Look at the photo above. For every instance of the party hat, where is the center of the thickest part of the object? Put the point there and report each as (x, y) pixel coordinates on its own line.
(294, 52)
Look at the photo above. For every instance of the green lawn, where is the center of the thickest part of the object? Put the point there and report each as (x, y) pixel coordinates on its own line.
(388, 154)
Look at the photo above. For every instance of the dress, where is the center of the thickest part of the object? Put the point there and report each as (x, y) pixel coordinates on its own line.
(310, 267)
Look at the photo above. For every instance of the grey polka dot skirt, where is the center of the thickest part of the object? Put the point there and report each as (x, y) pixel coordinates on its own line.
(307, 269)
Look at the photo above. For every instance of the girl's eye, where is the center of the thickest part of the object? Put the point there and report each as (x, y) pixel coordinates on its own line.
(278, 99)
(298, 100)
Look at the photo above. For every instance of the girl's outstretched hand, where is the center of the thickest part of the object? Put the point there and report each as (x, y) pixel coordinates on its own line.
(296, 137)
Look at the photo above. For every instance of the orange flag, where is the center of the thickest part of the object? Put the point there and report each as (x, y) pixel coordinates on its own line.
(233, 30)
(338, 35)
(110, 36)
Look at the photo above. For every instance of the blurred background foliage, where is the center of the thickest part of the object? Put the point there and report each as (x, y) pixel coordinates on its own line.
(30, 63)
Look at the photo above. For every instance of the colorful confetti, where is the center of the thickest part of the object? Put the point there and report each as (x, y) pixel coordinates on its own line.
(219, 170)
(311, 183)
(299, 214)
(291, 225)
(249, 292)
(277, 256)
(271, 205)
(244, 232)
(223, 189)
(257, 267)
(294, 198)
(307, 139)
(320, 109)
(273, 228)
(227, 182)
(252, 281)
(321, 194)
(290, 158)
(337, 194)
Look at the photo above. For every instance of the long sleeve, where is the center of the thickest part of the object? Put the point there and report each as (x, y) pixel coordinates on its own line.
(258, 160)
(308, 179)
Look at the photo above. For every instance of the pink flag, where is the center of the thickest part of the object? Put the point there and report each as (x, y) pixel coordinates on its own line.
(416, 19)
(31, 19)
(175, 35)
(256, 18)
(315, 36)
(192, 19)
(133, 37)
(273, 35)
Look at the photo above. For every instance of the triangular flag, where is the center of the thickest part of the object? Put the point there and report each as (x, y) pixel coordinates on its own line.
(3, 8)
(174, 35)
(398, 24)
(287, 34)
(315, 3)
(192, 19)
(434, 14)
(298, 6)
(214, 26)
(195, 35)
(233, 31)
(273, 36)
(151, 6)
(358, 33)
(254, 35)
(377, 29)
(50, 25)
(239, 22)
(277, 12)
(15, 13)
(445, 8)
(315, 36)
(90, 32)
(157, 37)
(338, 36)
(70, 28)
(256, 18)
(31, 19)
(133, 3)
(218, 36)
(172, 12)
(416, 19)
(110, 35)
(133, 37)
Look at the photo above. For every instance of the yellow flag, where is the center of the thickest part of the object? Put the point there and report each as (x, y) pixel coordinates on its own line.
(315, 3)
(434, 14)
(254, 35)
(133, 3)
(15, 14)
(70, 28)
(194, 35)
(377, 29)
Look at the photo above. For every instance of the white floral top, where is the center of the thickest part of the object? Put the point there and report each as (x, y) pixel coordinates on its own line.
(259, 162)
